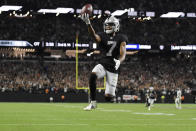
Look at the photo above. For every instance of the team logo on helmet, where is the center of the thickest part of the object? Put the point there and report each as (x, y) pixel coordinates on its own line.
(111, 25)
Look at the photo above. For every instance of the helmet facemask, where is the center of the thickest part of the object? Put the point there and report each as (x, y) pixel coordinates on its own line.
(111, 25)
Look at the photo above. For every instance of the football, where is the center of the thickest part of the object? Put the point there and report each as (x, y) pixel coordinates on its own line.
(88, 8)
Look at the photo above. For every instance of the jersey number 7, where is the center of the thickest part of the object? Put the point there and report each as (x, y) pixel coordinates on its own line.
(111, 48)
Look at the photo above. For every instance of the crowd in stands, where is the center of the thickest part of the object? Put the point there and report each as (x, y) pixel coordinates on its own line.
(137, 74)
(159, 71)
(36, 76)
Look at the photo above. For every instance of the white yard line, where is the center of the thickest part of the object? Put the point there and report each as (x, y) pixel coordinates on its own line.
(104, 119)
(104, 124)
(39, 124)
(64, 105)
(115, 110)
(146, 124)
(165, 114)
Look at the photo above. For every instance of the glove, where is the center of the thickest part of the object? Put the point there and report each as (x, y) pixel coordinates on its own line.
(117, 65)
(85, 18)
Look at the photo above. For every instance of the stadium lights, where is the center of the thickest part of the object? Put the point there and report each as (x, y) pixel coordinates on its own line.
(58, 10)
(191, 14)
(94, 46)
(47, 11)
(65, 10)
(132, 13)
(21, 15)
(97, 12)
(145, 18)
(9, 7)
(119, 12)
(173, 15)
(99, 16)
(161, 47)
(57, 14)
(150, 14)
(78, 11)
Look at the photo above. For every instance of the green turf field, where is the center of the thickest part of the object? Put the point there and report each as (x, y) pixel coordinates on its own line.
(108, 117)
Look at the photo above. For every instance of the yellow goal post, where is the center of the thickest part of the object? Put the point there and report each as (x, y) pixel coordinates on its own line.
(83, 88)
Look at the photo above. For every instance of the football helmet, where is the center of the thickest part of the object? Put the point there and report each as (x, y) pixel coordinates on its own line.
(111, 25)
(151, 88)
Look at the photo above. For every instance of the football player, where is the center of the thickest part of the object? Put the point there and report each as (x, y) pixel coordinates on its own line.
(152, 97)
(178, 98)
(147, 97)
(112, 47)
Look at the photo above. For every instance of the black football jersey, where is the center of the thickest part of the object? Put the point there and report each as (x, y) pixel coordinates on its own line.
(152, 94)
(109, 49)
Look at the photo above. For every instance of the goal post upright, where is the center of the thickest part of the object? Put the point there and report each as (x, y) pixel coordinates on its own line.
(83, 88)
(77, 59)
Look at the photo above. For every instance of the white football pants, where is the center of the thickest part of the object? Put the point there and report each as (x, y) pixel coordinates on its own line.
(111, 78)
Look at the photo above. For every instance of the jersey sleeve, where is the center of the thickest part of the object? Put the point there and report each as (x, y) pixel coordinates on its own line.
(101, 34)
(124, 38)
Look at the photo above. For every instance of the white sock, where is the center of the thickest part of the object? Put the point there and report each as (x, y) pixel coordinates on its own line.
(93, 103)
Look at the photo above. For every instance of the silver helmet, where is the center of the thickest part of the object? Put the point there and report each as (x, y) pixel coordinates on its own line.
(111, 25)
(151, 88)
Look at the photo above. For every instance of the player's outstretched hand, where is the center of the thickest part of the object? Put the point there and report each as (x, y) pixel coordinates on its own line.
(85, 18)
(117, 63)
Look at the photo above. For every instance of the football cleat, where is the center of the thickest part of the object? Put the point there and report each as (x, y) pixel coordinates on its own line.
(91, 106)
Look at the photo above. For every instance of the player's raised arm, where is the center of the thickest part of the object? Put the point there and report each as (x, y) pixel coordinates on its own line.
(85, 18)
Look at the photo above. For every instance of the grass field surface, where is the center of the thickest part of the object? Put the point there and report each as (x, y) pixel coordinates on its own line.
(108, 117)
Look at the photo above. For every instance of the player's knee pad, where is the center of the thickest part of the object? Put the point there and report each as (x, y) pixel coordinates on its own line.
(93, 78)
